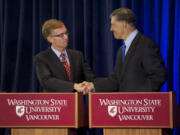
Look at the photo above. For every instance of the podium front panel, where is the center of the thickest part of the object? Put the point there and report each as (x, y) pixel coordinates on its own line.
(38, 110)
(130, 110)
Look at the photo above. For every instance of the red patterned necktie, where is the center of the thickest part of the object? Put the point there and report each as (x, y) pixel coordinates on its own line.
(66, 65)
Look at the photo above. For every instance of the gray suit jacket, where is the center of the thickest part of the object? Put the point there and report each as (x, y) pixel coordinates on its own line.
(52, 74)
(143, 69)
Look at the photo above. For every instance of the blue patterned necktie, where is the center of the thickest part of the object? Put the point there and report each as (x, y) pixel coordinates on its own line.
(123, 51)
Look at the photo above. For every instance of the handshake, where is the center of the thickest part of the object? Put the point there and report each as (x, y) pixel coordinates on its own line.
(84, 87)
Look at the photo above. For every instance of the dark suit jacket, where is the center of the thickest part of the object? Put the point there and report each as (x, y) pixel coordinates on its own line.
(143, 69)
(52, 74)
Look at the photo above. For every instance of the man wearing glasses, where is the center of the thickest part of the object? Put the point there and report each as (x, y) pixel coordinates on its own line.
(60, 69)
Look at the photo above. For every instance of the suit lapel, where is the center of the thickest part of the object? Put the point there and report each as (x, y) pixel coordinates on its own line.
(71, 63)
(130, 53)
(119, 60)
(55, 61)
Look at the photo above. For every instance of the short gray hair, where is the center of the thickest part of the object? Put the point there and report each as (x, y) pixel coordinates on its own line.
(124, 14)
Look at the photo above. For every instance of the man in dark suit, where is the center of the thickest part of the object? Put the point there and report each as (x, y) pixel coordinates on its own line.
(139, 65)
(60, 69)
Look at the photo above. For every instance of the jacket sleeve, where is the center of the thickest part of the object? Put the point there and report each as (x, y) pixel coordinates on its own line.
(154, 67)
(109, 84)
(48, 81)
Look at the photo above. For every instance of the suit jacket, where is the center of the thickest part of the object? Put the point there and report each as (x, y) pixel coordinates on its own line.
(143, 69)
(52, 74)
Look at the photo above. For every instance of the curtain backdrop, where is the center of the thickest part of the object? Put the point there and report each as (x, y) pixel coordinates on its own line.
(89, 25)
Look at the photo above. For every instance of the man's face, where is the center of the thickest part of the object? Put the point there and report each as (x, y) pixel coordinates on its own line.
(117, 27)
(59, 38)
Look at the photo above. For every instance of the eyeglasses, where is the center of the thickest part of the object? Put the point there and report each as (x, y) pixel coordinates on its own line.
(61, 35)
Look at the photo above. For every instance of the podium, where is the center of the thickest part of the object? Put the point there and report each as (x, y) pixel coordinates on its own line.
(43, 113)
(133, 113)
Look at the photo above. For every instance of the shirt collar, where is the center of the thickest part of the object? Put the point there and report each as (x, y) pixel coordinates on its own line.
(59, 53)
(130, 38)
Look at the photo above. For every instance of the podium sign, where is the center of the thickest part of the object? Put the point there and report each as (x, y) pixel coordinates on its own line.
(131, 110)
(38, 110)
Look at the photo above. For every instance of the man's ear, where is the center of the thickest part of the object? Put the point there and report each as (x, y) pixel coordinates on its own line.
(49, 39)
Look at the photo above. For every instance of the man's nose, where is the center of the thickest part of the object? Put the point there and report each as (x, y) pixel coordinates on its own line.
(65, 36)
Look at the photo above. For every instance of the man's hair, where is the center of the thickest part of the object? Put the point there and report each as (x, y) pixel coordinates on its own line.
(124, 14)
(50, 25)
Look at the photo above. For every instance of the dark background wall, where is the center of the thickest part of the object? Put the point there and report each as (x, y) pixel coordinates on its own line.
(88, 22)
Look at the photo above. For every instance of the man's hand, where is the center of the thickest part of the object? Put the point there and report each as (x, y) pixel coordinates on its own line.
(89, 86)
(84, 87)
(79, 87)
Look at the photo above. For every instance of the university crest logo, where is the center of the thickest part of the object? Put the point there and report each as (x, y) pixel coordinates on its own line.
(20, 110)
(112, 110)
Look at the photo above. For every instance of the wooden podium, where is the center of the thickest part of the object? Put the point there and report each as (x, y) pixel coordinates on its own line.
(43, 113)
(133, 113)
